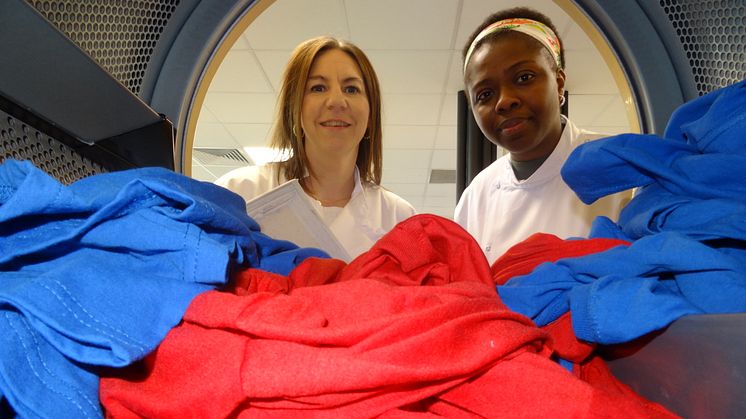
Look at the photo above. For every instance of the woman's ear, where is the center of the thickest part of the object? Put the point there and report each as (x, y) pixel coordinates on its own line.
(560, 82)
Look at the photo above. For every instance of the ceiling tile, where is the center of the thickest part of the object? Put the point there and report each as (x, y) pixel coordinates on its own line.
(212, 134)
(273, 63)
(409, 136)
(582, 78)
(584, 110)
(200, 173)
(614, 114)
(388, 24)
(407, 158)
(449, 110)
(205, 115)
(414, 109)
(408, 189)
(410, 71)
(240, 72)
(574, 38)
(286, 23)
(241, 107)
(447, 137)
(444, 159)
(447, 190)
(241, 44)
(250, 135)
(455, 80)
(402, 175)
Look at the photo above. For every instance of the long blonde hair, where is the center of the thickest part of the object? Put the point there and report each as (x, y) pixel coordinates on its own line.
(287, 135)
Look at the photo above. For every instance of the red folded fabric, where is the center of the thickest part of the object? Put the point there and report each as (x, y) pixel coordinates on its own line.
(411, 328)
(521, 259)
(524, 257)
(538, 248)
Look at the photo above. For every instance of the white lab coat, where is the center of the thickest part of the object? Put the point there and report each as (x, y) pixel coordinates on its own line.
(371, 212)
(500, 210)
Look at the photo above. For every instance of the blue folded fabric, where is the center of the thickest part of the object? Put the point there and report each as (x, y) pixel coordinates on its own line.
(686, 222)
(656, 210)
(713, 123)
(612, 164)
(96, 273)
(619, 294)
(702, 153)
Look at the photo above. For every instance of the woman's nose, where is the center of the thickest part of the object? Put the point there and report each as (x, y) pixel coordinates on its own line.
(507, 101)
(336, 98)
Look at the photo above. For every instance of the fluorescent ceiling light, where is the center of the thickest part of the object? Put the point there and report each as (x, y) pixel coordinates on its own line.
(264, 155)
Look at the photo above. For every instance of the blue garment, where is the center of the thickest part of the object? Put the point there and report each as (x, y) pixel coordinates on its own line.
(96, 273)
(619, 294)
(702, 155)
(687, 223)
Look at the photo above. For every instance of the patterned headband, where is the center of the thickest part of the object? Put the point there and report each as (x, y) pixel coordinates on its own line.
(532, 28)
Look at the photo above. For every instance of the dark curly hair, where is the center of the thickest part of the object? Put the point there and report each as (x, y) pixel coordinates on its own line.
(516, 12)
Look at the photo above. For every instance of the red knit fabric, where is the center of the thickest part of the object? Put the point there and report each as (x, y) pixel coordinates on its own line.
(411, 328)
(538, 248)
(521, 259)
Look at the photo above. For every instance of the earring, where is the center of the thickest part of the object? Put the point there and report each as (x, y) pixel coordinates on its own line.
(562, 100)
(295, 134)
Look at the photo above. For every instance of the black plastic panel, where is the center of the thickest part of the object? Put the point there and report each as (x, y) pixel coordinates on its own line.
(20, 141)
(46, 78)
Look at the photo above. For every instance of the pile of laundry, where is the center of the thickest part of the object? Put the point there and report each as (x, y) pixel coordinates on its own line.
(144, 293)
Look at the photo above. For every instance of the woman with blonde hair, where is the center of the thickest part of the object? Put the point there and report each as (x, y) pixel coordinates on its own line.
(329, 122)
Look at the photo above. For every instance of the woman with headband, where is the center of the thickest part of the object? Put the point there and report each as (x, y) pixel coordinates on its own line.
(515, 79)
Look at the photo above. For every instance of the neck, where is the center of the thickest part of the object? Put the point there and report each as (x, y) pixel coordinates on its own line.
(330, 183)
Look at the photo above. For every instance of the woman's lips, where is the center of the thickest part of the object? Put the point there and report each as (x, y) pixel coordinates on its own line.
(335, 123)
(512, 125)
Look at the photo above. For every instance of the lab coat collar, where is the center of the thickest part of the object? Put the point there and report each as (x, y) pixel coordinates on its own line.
(550, 168)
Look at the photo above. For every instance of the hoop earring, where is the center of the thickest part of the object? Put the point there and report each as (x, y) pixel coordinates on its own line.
(295, 134)
(562, 100)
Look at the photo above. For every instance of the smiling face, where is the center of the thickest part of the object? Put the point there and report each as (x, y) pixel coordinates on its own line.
(514, 93)
(335, 110)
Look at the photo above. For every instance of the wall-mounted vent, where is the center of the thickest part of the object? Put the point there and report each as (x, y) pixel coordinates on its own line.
(220, 157)
(442, 176)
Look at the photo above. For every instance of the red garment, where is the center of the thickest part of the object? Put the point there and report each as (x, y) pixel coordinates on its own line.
(411, 328)
(521, 259)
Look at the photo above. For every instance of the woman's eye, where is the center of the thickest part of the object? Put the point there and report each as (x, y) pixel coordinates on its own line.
(525, 77)
(352, 89)
(483, 96)
(317, 88)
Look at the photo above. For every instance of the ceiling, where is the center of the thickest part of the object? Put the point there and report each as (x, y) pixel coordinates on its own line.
(415, 47)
